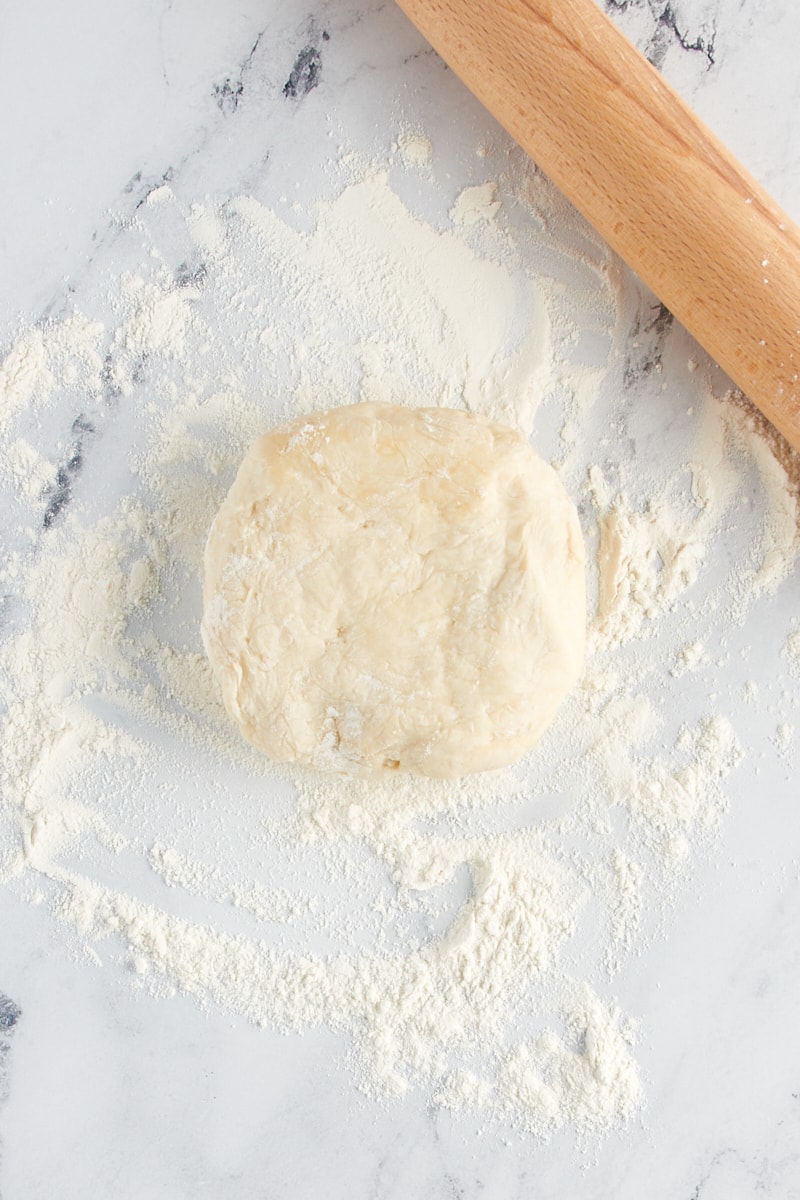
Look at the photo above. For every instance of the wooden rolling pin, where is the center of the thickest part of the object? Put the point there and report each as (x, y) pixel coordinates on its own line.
(647, 174)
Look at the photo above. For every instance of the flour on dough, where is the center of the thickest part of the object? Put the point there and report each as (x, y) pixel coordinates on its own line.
(395, 589)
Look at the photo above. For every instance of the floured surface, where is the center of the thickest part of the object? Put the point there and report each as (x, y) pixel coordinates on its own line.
(467, 942)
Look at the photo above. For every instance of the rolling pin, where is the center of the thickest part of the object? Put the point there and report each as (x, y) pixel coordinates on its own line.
(645, 172)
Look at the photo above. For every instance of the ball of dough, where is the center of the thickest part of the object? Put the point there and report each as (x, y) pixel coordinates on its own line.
(394, 589)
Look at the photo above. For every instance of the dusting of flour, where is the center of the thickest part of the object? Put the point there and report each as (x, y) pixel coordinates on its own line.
(437, 925)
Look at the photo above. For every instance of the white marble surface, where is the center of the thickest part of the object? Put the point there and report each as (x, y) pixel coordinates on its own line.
(105, 1092)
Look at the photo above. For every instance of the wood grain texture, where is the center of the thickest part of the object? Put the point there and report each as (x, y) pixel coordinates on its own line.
(647, 174)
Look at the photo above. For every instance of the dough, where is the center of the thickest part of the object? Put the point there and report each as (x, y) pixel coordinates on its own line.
(394, 589)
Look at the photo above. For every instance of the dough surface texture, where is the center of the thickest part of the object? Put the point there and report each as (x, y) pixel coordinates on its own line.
(394, 589)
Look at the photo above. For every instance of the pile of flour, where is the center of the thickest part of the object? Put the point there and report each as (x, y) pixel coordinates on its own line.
(441, 927)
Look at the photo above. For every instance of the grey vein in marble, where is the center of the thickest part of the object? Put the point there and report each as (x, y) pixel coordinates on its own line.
(305, 74)
(10, 1014)
(60, 495)
(667, 28)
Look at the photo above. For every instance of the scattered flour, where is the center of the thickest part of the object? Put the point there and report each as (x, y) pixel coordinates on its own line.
(733, 434)
(415, 148)
(587, 1078)
(688, 658)
(793, 647)
(475, 204)
(429, 922)
(24, 375)
(463, 1090)
(61, 356)
(784, 736)
(622, 879)
(646, 561)
(32, 474)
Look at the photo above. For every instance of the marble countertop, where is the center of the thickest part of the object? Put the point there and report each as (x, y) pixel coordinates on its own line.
(105, 1092)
